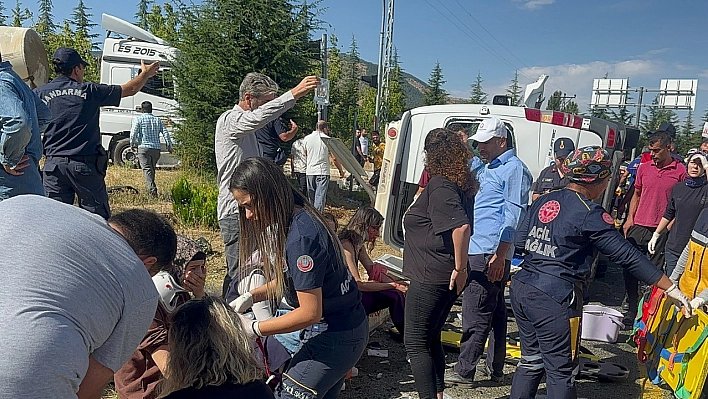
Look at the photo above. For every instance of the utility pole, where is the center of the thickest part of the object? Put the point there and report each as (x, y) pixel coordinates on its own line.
(385, 53)
(322, 108)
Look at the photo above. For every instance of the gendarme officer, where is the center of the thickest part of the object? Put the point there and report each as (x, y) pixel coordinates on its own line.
(76, 162)
(552, 178)
(558, 236)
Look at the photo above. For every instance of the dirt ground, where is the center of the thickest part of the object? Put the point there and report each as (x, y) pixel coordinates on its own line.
(389, 378)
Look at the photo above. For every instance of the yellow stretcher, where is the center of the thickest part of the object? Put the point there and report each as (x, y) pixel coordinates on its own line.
(676, 350)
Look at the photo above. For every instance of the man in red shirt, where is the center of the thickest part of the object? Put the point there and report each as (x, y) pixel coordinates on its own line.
(652, 189)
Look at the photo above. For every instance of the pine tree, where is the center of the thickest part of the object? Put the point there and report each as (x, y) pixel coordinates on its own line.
(220, 41)
(598, 112)
(705, 116)
(434, 93)
(688, 136)
(478, 95)
(396, 96)
(81, 20)
(555, 102)
(3, 17)
(514, 90)
(141, 16)
(45, 24)
(655, 116)
(622, 116)
(19, 16)
(571, 107)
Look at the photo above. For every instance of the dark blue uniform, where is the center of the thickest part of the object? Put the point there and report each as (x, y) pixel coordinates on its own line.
(549, 180)
(76, 161)
(269, 138)
(558, 236)
(333, 346)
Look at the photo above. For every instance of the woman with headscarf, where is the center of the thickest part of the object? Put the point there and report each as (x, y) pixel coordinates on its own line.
(139, 377)
(688, 199)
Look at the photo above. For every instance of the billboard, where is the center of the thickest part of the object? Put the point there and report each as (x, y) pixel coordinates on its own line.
(678, 93)
(609, 93)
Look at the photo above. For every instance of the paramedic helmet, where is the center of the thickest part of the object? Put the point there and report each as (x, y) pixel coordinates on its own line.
(588, 165)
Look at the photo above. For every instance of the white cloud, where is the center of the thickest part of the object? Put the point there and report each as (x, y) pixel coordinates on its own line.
(534, 4)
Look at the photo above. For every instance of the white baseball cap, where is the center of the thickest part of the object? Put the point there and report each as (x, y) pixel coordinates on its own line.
(488, 129)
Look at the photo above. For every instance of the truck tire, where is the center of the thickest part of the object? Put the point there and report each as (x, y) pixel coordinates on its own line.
(123, 154)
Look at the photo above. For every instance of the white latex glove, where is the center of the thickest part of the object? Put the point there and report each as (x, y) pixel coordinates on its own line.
(242, 303)
(652, 243)
(697, 303)
(675, 293)
(247, 325)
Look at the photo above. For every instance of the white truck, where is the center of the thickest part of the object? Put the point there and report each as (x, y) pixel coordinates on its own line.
(120, 62)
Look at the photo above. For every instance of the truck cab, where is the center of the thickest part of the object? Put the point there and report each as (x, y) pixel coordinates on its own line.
(120, 62)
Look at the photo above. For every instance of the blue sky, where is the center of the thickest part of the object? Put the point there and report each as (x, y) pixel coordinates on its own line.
(571, 41)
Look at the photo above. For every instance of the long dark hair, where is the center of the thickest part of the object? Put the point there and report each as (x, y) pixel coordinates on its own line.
(356, 230)
(274, 200)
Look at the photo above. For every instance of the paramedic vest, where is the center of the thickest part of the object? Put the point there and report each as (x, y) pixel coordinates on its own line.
(695, 276)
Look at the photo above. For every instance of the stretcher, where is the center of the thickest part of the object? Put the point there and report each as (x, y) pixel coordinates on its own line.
(590, 366)
(674, 349)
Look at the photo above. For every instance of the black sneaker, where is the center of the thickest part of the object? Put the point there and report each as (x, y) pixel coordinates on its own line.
(484, 370)
(454, 379)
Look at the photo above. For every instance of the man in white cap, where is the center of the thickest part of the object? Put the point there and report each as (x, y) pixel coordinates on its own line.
(504, 184)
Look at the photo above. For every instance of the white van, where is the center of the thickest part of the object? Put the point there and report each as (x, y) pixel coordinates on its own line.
(533, 132)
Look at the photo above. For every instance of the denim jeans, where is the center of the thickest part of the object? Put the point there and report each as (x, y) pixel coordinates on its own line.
(230, 229)
(317, 191)
(319, 367)
(427, 307)
(671, 258)
(148, 162)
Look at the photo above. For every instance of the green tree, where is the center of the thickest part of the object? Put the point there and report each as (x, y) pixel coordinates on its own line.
(434, 93)
(555, 102)
(623, 116)
(19, 15)
(396, 96)
(45, 24)
(3, 17)
(81, 20)
(345, 104)
(688, 136)
(514, 90)
(598, 112)
(220, 41)
(478, 95)
(705, 116)
(79, 40)
(655, 116)
(163, 22)
(571, 107)
(141, 16)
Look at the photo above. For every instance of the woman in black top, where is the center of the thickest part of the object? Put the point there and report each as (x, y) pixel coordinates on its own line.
(211, 355)
(438, 228)
(687, 200)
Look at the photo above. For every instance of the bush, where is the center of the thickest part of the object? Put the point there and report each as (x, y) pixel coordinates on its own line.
(195, 204)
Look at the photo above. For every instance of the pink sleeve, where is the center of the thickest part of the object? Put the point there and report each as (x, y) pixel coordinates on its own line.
(638, 178)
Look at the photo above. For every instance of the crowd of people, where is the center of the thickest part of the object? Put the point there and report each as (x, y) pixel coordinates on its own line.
(291, 318)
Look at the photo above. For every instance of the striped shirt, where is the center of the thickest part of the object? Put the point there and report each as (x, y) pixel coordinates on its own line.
(146, 132)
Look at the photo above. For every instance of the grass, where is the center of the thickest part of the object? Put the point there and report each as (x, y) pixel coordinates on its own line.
(342, 204)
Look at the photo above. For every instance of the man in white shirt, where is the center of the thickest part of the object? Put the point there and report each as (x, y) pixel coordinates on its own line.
(364, 141)
(235, 140)
(317, 170)
(298, 164)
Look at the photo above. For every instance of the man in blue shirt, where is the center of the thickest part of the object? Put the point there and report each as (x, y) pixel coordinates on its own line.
(23, 118)
(504, 184)
(76, 162)
(145, 137)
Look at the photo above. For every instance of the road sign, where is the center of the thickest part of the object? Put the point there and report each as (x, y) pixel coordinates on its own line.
(608, 93)
(678, 93)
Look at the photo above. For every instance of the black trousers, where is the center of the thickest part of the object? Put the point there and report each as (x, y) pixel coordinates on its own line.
(639, 236)
(427, 307)
(483, 310)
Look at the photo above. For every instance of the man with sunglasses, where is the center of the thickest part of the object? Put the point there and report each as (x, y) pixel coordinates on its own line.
(76, 162)
(552, 178)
